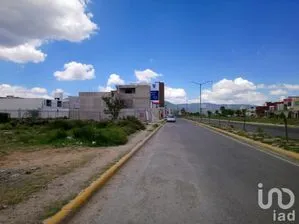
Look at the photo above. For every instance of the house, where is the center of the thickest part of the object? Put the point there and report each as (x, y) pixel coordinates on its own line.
(134, 95)
(19, 107)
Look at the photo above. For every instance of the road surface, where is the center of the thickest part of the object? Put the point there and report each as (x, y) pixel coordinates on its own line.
(272, 130)
(189, 174)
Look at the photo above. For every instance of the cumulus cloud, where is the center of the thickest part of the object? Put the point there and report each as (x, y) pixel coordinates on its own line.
(113, 80)
(22, 53)
(278, 92)
(146, 76)
(34, 22)
(75, 71)
(105, 88)
(234, 91)
(175, 95)
(20, 91)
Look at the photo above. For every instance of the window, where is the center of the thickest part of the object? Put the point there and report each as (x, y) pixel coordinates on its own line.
(48, 103)
(130, 91)
(59, 103)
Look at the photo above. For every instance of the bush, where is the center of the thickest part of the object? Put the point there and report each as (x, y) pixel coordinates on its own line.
(110, 136)
(4, 117)
(6, 126)
(61, 124)
(56, 135)
(84, 133)
(101, 137)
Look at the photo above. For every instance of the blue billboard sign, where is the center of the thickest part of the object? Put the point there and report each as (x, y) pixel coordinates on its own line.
(154, 95)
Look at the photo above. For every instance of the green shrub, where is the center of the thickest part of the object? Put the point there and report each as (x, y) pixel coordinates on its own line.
(56, 135)
(101, 137)
(4, 117)
(6, 126)
(103, 124)
(110, 136)
(60, 124)
(84, 133)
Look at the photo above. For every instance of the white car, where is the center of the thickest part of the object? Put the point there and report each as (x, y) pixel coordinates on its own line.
(170, 118)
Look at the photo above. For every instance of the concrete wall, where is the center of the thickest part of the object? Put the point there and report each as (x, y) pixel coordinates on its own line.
(92, 105)
(139, 99)
(20, 107)
(21, 103)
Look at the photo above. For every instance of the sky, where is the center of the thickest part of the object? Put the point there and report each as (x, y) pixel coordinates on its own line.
(248, 49)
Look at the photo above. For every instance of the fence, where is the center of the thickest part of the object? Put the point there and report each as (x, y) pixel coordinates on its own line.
(143, 114)
(20, 114)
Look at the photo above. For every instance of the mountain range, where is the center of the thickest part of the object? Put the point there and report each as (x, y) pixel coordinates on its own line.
(194, 107)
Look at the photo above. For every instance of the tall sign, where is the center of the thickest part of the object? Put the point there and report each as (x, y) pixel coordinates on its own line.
(155, 93)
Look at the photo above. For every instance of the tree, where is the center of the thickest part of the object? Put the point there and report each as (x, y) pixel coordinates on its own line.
(114, 105)
(238, 113)
(183, 111)
(223, 110)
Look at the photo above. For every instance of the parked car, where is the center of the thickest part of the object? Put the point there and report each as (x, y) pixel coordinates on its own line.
(170, 118)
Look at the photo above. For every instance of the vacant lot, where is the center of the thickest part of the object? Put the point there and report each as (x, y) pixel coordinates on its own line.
(45, 163)
(31, 134)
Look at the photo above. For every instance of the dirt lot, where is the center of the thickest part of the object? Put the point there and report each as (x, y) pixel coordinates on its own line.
(36, 184)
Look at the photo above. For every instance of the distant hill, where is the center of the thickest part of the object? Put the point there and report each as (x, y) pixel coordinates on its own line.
(194, 107)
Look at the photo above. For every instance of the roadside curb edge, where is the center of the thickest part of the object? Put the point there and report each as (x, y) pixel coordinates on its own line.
(277, 150)
(71, 207)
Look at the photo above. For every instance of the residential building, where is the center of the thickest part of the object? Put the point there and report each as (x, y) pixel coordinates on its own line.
(19, 107)
(134, 95)
(292, 104)
(251, 112)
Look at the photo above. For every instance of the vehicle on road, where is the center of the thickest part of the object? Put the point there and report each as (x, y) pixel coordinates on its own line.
(170, 118)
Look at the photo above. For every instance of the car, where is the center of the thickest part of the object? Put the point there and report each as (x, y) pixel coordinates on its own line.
(170, 118)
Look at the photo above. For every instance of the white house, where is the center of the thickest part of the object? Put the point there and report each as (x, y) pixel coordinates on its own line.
(19, 107)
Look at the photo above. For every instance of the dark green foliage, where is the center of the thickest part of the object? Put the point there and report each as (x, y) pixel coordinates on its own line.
(62, 132)
(4, 117)
(101, 137)
(114, 105)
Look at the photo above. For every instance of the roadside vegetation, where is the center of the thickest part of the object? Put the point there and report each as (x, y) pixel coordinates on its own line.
(32, 133)
(258, 135)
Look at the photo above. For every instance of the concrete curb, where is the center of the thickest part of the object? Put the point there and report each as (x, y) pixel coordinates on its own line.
(70, 208)
(277, 150)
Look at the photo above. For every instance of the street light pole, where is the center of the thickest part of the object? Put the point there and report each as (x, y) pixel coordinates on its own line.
(200, 85)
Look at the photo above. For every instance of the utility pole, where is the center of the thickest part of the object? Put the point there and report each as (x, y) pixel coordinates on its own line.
(200, 85)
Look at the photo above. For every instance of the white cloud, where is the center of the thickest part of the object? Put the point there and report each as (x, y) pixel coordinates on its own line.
(278, 92)
(115, 79)
(260, 86)
(146, 76)
(22, 54)
(39, 90)
(20, 91)
(75, 71)
(235, 91)
(290, 87)
(34, 22)
(175, 95)
(105, 89)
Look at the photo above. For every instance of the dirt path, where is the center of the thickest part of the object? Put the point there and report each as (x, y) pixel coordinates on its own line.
(70, 169)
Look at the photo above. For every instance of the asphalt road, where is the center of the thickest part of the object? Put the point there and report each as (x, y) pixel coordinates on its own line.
(272, 130)
(189, 174)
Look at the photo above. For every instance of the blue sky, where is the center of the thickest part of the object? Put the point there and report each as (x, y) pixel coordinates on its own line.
(249, 49)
